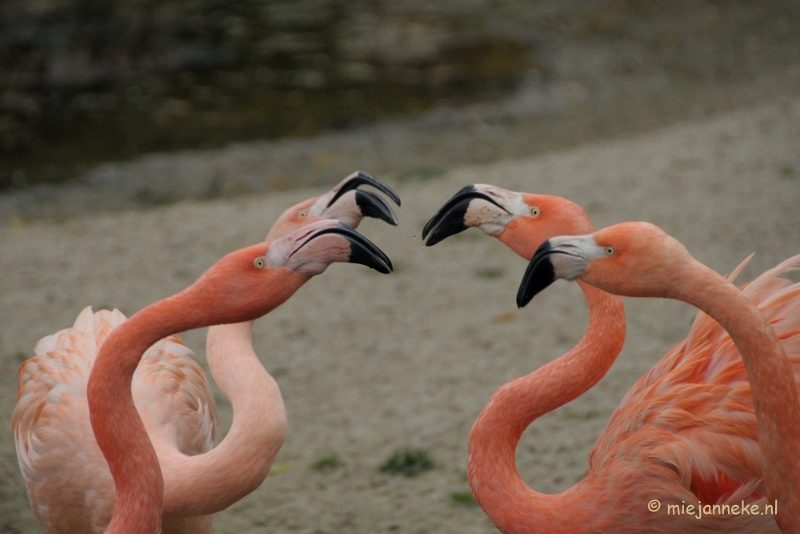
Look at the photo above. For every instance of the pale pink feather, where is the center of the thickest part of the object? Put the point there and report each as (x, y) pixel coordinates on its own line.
(66, 475)
(699, 396)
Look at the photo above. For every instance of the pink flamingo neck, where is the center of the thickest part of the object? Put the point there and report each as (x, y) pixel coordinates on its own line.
(771, 381)
(210, 482)
(220, 296)
(496, 484)
(117, 427)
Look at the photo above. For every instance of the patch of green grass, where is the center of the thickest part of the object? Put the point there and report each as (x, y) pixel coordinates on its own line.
(464, 498)
(489, 272)
(421, 174)
(281, 467)
(788, 172)
(408, 462)
(583, 416)
(327, 463)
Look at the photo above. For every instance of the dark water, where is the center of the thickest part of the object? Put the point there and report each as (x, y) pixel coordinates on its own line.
(86, 81)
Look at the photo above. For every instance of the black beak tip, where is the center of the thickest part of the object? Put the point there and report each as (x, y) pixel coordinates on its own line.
(426, 229)
(367, 178)
(446, 228)
(374, 259)
(365, 252)
(538, 275)
(372, 205)
(448, 221)
(444, 210)
(364, 178)
(523, 297)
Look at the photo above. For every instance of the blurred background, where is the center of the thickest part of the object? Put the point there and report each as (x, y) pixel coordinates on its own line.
(83, 82)
(128, 105)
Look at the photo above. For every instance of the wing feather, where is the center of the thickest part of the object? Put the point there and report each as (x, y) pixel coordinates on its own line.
(66, 476)
(694, 409)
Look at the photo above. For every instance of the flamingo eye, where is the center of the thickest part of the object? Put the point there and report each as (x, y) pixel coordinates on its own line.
(609, 251)
(302, 214)
(534, 211)
(260, 262)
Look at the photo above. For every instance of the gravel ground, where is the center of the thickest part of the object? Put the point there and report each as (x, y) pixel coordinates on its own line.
(371, 364)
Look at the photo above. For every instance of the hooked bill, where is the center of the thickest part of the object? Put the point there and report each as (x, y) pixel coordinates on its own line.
(449, 220)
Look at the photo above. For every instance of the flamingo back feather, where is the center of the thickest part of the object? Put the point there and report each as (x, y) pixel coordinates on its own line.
(66, 475)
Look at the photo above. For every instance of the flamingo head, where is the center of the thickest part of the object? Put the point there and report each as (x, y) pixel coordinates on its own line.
(345, 203)
(634, 259)
(252, 281)
(520, 220)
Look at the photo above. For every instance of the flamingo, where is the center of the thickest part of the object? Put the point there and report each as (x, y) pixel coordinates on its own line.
(345, 203)
(694, 430)
(259, 422)
(523, 221)
(51, 423)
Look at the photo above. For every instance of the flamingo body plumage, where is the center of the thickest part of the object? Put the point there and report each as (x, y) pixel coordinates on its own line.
(53, 435)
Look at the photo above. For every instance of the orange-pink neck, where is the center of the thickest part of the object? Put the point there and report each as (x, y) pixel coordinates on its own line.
(118, 429)
(496, 484)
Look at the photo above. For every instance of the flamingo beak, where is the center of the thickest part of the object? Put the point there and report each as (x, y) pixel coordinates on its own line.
(362, 250)
(361, 203)
(451, 217)
(310, 252)
(538, 275)
(566, 257)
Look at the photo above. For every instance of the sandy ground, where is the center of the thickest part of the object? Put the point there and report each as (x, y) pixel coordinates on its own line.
(369, 364)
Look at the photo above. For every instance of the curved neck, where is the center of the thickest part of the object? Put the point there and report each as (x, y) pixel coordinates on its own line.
(496, 484)
(210, 482)
(772, 383)
(118, 429)
(117, 426)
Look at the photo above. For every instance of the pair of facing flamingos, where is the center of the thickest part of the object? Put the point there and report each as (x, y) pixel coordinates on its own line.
(685, 433)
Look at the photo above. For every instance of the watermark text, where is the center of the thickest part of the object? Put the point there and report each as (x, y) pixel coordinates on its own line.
(700, 510)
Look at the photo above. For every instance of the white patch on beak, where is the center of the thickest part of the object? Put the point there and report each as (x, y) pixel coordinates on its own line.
(280, 249)
(345, 209)
(571, 255)
(318, 207)
(307, 254)
(492, 219)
